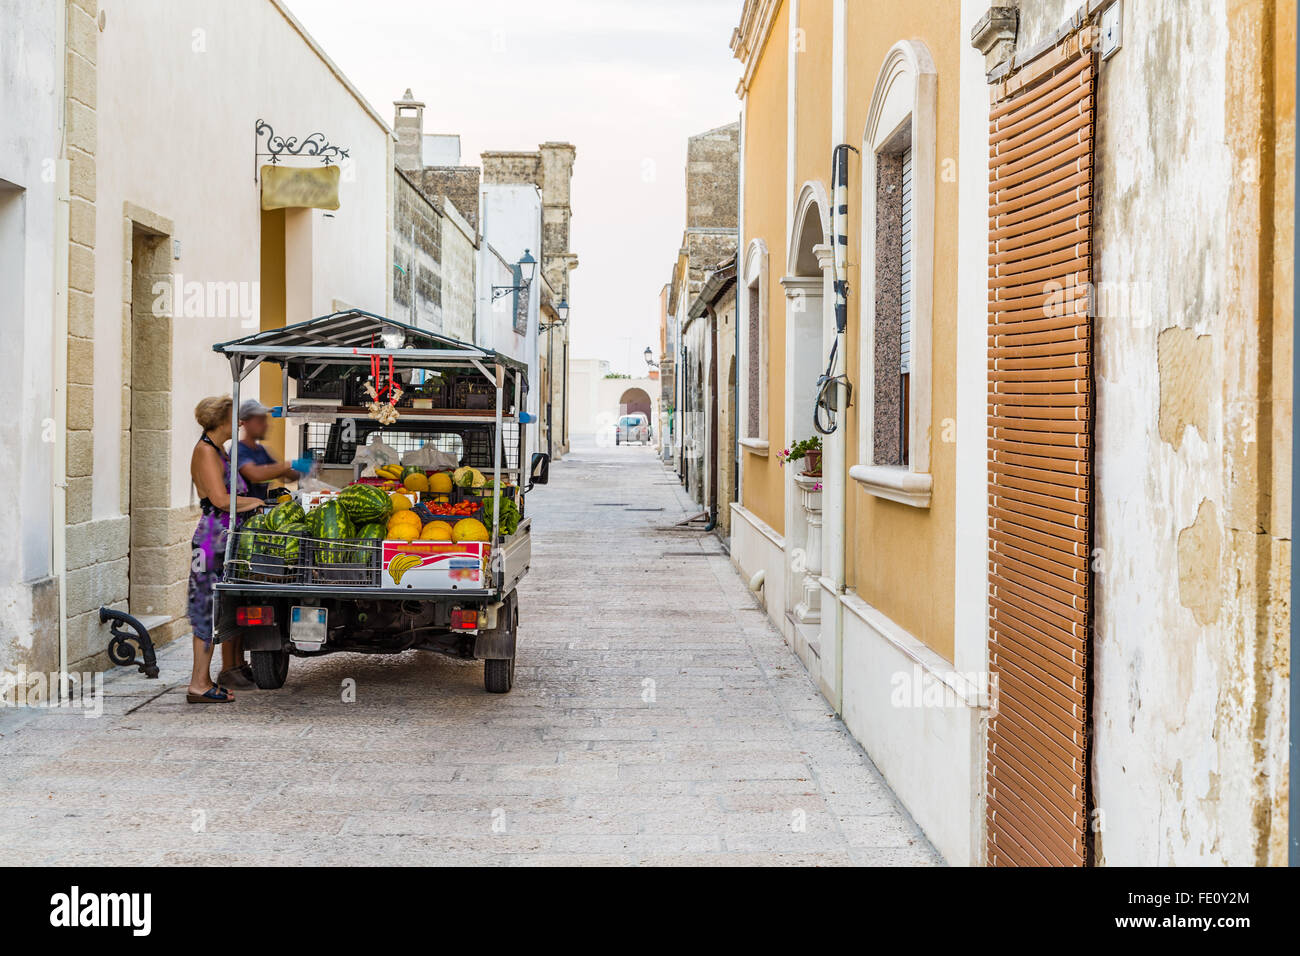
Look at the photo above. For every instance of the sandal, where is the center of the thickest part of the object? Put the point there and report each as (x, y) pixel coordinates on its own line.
(213, 695)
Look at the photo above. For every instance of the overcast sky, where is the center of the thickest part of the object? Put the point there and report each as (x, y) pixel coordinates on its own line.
(625, 81)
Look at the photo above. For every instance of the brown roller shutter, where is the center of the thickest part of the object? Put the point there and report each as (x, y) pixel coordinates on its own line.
(1040, 448)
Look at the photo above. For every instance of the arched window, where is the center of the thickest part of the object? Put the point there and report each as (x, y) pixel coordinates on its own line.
(755, 326)
(898, 179)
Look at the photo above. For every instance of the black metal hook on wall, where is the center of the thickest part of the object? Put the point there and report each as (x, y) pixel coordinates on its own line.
(120, 651)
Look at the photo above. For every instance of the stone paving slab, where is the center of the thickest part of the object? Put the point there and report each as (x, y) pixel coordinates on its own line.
(658, 719)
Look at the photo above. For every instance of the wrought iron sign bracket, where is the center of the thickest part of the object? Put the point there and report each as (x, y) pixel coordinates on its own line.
(277, 146)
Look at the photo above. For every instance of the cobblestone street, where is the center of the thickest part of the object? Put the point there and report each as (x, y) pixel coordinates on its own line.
(657, 718)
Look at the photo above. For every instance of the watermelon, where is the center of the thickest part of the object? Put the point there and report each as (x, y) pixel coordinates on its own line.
(287, 512)
(365, 503)
(373, 534)
(330, 522)
(412, 470)
(285, 542)
(247, 533)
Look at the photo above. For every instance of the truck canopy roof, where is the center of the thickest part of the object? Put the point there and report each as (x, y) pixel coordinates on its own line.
(350, 338)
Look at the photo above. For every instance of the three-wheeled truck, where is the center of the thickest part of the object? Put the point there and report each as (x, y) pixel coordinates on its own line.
(321, 596)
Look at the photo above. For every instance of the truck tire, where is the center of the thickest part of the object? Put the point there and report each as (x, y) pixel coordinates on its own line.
(270, 668)
(498, 676)
(499, 673)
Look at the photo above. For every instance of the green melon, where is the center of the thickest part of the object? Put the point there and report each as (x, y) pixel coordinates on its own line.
(330, 522)
(365, 504)
(285, 513)
(247, 534)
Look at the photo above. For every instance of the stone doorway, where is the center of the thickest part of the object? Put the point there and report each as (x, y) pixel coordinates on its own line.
(159, 557)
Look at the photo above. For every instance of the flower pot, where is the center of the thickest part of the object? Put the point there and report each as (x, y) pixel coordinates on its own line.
(812, 462)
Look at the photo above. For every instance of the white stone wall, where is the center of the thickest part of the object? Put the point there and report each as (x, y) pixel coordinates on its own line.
(182, 84)
(30, 64)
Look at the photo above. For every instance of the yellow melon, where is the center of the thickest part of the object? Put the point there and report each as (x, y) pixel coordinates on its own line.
(416, 482)
(404, 517)
(469, 529)
(440, 484)
(413, 525)
(403, 531)
(436, 531)
(400, 501)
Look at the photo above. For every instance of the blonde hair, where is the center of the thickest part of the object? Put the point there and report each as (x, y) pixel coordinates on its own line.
(213, 411)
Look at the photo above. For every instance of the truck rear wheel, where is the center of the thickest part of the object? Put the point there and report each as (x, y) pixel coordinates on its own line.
(498, 676)
(499, 673)
(270, 668)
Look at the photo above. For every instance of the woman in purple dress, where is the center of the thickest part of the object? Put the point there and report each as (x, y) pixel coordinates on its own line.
(210, 469)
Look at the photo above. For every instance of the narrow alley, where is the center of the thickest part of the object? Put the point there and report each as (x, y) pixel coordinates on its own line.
(657, 718)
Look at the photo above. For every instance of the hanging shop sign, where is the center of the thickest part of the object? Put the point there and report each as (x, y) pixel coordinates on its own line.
(296, 186)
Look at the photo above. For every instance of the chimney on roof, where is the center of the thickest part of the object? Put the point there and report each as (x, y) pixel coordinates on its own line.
(408, 124)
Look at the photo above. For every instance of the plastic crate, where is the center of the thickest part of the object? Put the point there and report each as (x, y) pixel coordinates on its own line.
(481, 494)
(476, 513)
(266, 563)
(348, 562)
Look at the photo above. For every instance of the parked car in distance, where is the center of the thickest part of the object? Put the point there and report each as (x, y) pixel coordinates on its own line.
(632, 428)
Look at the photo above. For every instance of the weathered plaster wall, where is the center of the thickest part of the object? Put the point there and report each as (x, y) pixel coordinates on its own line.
(417, 250)
(1186, 714)
(458, 183)
(711, 171)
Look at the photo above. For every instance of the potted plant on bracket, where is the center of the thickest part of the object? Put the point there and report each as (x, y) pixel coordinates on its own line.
(807, 450)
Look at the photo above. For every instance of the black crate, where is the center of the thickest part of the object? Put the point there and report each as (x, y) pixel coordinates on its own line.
(265, 562)
(350, 562)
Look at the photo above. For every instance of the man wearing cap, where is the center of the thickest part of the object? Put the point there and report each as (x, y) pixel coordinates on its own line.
(256, 464)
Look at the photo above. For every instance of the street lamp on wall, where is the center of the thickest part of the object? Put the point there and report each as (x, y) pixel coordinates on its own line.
(650, 357)
(525, 271)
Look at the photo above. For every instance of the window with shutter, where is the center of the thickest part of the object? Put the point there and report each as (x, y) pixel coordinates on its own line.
(1040, 442)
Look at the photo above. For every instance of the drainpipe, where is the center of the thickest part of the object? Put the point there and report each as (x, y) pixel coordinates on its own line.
(62, 234)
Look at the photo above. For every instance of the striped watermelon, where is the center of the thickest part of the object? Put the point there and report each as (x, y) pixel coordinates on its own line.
(365, 503)
(330, 522)
(285, 513)
(373, 534)
(247, 533)
(285, 542)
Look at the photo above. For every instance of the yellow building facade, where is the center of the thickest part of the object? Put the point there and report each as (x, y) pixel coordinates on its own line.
(869, 546)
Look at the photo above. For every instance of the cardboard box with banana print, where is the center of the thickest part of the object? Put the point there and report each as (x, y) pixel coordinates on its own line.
(435, 565)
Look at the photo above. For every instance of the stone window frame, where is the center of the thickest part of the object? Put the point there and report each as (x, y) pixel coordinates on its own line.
(906, 92)
(756, 275)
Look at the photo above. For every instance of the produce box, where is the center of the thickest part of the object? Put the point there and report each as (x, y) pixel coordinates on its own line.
(312, 499)
(435, 565)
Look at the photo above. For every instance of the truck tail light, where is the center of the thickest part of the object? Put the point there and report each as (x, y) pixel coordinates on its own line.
(255, 616)
(464, 619)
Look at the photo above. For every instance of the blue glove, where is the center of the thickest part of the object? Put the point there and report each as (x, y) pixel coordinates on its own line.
(302, 465)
